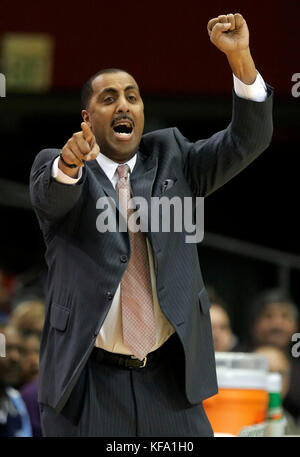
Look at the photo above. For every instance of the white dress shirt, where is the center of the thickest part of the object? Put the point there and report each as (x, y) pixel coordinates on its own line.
(110, 335)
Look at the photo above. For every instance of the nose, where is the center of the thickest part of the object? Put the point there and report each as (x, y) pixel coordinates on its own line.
(278, 321)
(123, 105)
(14, 355)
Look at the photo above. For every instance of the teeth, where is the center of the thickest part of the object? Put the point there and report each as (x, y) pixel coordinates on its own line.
(123, 133)
(126, 124)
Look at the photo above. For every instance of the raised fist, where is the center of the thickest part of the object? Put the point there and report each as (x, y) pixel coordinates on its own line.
(229, 33)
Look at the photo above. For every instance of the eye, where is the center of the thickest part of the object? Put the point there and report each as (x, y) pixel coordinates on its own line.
(132, 98)
(109, 99)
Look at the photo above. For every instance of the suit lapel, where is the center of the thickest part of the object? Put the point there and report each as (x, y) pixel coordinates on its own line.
(143, 176)
(141, 180)
(107, 186)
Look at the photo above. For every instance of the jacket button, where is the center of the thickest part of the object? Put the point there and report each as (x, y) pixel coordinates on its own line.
(109, 295)
(123, 258)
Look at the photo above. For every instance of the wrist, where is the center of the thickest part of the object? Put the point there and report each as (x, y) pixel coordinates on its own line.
(71, 172)
(242, 65)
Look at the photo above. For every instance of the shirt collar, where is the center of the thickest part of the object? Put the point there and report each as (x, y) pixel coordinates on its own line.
(110, 167)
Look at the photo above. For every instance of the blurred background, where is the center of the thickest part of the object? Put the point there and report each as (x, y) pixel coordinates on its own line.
(48, 50)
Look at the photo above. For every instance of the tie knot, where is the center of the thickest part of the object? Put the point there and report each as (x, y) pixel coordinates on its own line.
(123, 170)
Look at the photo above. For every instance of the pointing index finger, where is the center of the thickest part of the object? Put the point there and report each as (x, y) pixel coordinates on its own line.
(87, 133)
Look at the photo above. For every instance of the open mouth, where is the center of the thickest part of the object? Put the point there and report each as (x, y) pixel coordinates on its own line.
(123, 129)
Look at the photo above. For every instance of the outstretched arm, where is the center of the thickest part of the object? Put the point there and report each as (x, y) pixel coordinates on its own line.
(210, 163)
(52, 199)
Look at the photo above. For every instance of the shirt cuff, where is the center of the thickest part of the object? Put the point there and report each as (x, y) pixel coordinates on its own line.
(61, 177)
(256, 91)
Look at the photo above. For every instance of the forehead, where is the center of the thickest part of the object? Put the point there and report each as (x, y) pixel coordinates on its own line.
(12, 336)
(118, 81)
(278, 308)
(218, 312)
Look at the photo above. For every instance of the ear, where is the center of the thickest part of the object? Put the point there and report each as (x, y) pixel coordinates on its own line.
(86, 117)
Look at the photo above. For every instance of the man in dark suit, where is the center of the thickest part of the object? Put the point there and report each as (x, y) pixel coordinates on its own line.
(127, 348)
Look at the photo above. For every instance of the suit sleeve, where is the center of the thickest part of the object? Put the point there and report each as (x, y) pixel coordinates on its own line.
(210, 163)
(51, 199)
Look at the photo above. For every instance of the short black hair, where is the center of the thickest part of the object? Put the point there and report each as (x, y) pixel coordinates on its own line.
(87, 89)
(216, 299)
(213, 295)
(269, 296)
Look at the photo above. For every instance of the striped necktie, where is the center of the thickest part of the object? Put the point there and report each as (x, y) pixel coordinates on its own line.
(138, 321)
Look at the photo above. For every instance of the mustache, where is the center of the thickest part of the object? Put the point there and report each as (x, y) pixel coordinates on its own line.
(276, 331)
(122, 117)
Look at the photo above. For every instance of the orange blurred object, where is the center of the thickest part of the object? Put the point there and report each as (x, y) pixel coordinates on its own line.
(240, 406)
(230, 410)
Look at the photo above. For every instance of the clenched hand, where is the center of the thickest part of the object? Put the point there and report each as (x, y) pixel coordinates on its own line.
(230, 34)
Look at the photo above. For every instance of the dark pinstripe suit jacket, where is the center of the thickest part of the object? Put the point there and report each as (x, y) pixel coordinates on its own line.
(85, 266)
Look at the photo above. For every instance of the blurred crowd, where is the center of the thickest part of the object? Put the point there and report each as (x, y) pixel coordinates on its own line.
(22, 313)
(273, 320)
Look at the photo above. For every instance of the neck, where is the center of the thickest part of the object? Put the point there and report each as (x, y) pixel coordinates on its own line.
(122, 159)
